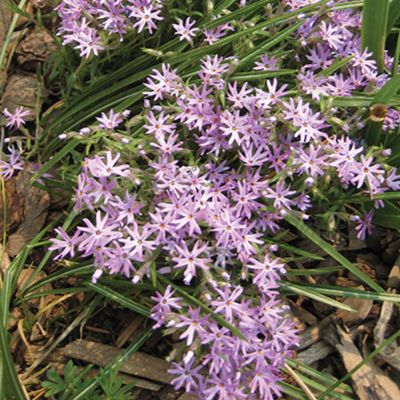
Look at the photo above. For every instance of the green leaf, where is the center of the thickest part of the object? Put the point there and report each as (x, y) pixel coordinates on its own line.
(313, 294)
(388, 91)
(15, 9)
(312, 271)
(119, 298)
(374, 26)
(300, 252)
(55, 159)
(388, 216)
(255, 76)
(351, 293)
(56, 276)
(394, 15)
(293, 391)
(331, 251)
(335, 66)
(261, 49)
(321, 376)
(235, 15)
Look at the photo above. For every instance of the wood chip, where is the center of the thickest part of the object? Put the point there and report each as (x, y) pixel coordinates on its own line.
(21, 90)
(313, 334)
(34, 48)
(5, 19)
(389, 313)
(139, 383)
(129, 331)
(369, 382)
(362, 306)
(139, 364)
(37, 202)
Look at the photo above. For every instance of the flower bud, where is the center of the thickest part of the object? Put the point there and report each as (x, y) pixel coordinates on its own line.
(97, 274)
(85, 131)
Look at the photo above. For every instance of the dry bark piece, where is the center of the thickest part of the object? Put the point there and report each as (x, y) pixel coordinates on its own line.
(5, 260)
(129, 331)
(21, 90)
(394, 276)
(369, 382)
(5, 19)
(15, 315)
(314, 333)
(380, 271)
(139, 364)
(36, 47)
(384, 326)
(140, 383)
(25, 275)
(302, 314)
(15, 203)
(366, 264)
(37, 202)
(362, 306)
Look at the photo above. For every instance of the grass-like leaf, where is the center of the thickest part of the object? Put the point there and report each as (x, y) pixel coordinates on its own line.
(331, 251)
(313, 294)
(388, 216)
(388, 91)
(394, 15)
(374, 28)
(351, 293)
(119, 298)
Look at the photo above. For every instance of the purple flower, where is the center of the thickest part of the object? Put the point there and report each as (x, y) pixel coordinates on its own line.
(146, 17)
(190, 260)
(66, 245)
(98, 235)
(100, 169)
(364, 226)
(111, 121)
(226, 304)
(365, 172)
(187, 376)
(194, 324)
(266, 63)
(17, 118)
(14, 163)
(185, 29)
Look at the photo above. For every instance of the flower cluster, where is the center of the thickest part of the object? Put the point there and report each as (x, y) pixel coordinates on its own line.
(232, 367)
(13, 164)
(88, 23)
(14, 120)
(221, 164)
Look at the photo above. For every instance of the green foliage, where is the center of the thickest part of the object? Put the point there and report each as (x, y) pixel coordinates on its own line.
(110, 385)
(374, 29)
